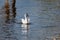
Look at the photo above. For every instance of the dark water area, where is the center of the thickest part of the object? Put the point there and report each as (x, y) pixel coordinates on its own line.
(44, 17)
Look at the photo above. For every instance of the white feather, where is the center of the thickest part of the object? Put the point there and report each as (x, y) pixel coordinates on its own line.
(25, 20)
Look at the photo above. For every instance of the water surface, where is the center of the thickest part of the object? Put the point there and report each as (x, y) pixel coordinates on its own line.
(44, 15)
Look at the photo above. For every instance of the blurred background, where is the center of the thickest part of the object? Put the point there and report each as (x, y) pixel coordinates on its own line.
(44, 17)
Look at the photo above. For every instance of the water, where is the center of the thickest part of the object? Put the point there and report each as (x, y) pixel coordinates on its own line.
(44, 15)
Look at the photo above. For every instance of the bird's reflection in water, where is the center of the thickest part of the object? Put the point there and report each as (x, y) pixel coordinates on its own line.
(13, 11)
(25, 31)
(7, 27)
(9, 17)
(14, 14)
(13, 8)
(7, 11)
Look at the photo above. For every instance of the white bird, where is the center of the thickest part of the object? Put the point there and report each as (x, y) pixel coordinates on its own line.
(54, 38)
(26, 20)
